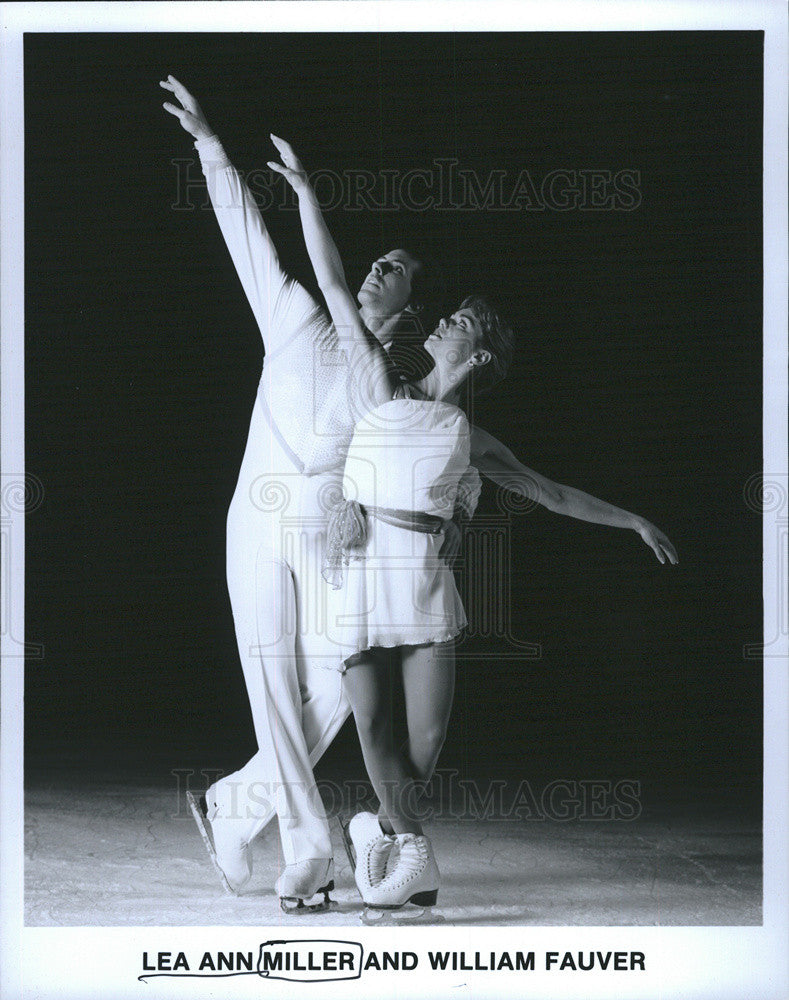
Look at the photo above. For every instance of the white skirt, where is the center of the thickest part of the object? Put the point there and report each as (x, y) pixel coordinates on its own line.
(396, 592)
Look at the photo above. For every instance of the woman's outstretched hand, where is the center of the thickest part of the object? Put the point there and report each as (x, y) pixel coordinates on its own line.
(189, 114)
(657, 541)
(293, 171)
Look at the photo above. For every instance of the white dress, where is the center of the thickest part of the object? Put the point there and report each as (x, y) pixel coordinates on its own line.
(406, 455)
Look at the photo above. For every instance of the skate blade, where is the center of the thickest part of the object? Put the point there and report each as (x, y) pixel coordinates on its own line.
(400, 917)
(417, 909)
(348, 843)
(200, 817)
(423, 900)
(295, 906)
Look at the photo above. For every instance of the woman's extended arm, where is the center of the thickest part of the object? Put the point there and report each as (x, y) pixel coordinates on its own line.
(380, 375)
(497, 462)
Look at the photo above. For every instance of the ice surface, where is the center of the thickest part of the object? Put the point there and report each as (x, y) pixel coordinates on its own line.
(112, 855)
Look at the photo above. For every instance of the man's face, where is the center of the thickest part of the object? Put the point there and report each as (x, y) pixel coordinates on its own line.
(386, 290)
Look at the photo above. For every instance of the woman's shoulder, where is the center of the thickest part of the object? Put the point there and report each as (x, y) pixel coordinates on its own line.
(406, 412)
(430, 412)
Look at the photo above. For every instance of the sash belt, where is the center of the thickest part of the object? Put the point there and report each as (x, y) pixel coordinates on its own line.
(347, 531)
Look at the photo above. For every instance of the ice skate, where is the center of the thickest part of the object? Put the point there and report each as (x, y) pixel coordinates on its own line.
(229, 853)
(413, 879)
(303, 880)
(369, 850)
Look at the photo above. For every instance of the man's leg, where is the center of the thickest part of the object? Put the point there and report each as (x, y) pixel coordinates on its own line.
(276, 591)
(324, 710)
(324, 705)
(266, 630)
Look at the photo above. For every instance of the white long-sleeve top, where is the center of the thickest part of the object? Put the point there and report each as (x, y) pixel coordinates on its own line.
(304, 392)
(307, 397)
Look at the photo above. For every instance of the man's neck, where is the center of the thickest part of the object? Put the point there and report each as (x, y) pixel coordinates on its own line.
(381, 327)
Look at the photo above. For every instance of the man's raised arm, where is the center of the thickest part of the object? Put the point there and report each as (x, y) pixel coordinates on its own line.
(282, 308)
(497, 462)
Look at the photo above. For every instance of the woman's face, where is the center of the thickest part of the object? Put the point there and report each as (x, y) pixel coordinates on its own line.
(455, 340)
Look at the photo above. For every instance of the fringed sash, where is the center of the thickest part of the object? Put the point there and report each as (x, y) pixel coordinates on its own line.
(346, 532)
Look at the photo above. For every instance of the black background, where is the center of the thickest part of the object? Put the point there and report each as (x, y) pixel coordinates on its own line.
(637, 379)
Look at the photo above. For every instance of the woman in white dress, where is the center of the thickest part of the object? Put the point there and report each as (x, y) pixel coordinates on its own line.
(406, 471)
(394, 605)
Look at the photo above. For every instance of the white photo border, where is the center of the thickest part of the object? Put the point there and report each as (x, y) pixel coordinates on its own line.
(696, 962)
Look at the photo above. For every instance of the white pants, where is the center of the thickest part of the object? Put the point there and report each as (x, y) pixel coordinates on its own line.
(275, 545)
(275, 548)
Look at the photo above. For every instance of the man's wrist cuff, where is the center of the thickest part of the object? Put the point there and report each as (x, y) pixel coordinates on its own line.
(211, 152)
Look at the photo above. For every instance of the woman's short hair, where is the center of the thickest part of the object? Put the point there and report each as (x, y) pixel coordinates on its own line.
(498, 338)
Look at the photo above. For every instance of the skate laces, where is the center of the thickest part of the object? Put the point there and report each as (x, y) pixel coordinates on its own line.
(377, 856)
(413, 860)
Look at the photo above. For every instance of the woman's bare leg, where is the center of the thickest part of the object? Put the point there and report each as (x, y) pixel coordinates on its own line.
(368, 684)
(428, 676)
(429, 687)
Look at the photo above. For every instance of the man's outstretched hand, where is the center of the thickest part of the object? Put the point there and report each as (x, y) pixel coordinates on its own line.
(189, 114)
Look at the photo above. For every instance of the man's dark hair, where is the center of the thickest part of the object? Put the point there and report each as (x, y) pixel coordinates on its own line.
(498, 339)
(428, 282)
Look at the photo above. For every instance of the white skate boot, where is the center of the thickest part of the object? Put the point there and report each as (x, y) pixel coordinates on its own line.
(414, 879)
(223, 837)
(303, 880)
(369, 850)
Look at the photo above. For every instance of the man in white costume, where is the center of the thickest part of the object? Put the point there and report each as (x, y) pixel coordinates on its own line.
(301, 425)
(308, 401)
